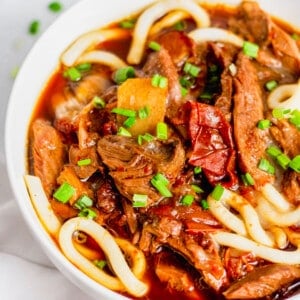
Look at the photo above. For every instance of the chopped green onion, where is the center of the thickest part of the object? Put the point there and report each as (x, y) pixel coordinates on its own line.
(197, 170)
(84, 67)
(197, 189)
(83, 202)
(187, 200)
(271, 85)
(98, 102)
(87, 213)
(183, 91)
(250, 49)
(123, 74)
(124, 112)
(162, 131)
(34, 27)
(55, 6)
(139, 200)
(191, 69)
(180, 26)
(295, 118)
(154, 46)
(127, 24)
(264, 124)
(145, 137)
(159, 81)
(278, 113)
(100, 263)
(248, 179)
(283, 160)
(206, 95)
(160, 182)
(84, 162)
(295, 164)
(144, 112)
(64, 193)
(266, 166)
(129, 122)
(123, 132)
(204, 204)
(273, 151)
(73, 74)
(295, 36)
(217, 192)
(186, 81)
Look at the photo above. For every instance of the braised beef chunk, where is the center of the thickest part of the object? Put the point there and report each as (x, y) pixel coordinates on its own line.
(132, 165)
(49, 154)
(263, 281)
(248, 109)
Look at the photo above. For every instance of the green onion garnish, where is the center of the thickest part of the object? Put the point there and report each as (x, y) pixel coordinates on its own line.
(123, 132)
(248, 179)
(187, 200)
(34, 27)
(64, 193)
(139, 200)
(162, 130)
(273, 151)
(180, 26)
(144, 112)
(266, 166)
(98, 102)
(87, 213)
(73, 74)
(127, 24)
(55, 6)
(217, 192)
(197, 170)
(84, 67)
(278, 113)
(283, 160)
(295, 118)
(295, 36)
(183, 91)
(197, 189)
(145, 137)
(204, 204)
(84, 162)
(83, 202)
(295, 164)
(159, 81)
(271, 85)
(124, 112)
(129, 122)
(250, 49)
(191, 69)
(186, 81)
(123, 74)
(206, 95)
(160, 182)
(100, 263)
(264, 124)
(154, 46)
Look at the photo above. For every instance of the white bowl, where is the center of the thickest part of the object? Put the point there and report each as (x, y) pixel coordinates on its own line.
(40, 63)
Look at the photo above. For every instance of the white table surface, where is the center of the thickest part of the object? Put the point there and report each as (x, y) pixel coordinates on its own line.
(25, 272)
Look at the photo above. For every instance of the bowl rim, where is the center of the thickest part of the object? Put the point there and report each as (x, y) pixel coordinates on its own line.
(16, 157)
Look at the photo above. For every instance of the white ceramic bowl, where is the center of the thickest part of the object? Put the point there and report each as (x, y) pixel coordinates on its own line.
(40, 63)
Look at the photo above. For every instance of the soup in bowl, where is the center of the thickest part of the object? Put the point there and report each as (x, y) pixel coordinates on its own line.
(157, 154)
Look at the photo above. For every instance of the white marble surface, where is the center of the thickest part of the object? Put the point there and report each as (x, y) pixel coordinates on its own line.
(25, 272)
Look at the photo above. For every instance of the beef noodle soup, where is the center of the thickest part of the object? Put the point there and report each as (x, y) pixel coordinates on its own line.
(168, 147)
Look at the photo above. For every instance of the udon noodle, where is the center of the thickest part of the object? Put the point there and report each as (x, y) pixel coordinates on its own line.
(158, 157)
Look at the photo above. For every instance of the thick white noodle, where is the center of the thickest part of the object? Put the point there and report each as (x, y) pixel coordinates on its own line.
(213, 34)
(167, 21)
(285, 96)
(250, 223)
(275, 217)
(125, 277)
(102, 57)
(42, 205)
(90, 39)
(153, 13)
(273, 255)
